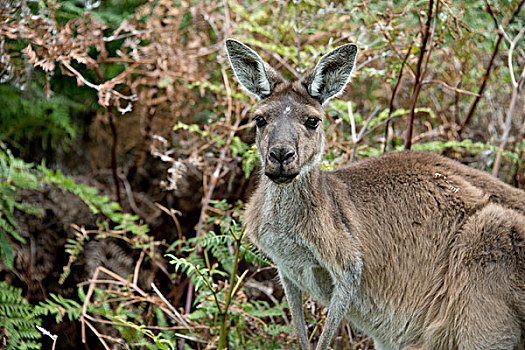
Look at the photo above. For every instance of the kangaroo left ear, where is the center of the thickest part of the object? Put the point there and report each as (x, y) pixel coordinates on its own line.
(331, 74)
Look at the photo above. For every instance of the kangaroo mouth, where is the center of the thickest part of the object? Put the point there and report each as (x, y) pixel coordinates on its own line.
(280, 178)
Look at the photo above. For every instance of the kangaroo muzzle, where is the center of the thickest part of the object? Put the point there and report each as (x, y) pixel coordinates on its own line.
(280, 164)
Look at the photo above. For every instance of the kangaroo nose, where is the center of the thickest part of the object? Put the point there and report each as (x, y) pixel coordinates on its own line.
(281, 155)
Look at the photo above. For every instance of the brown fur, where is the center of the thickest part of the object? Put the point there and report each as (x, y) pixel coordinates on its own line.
(416, 250)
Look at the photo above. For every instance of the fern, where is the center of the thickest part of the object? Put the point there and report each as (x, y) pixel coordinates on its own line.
(15, 174)
(253, 255)
(201, 275)
(28, 115)
(216, 245)
(73, 247)
(160, 341)
(261, 308)
(59, 306)
(18, 319)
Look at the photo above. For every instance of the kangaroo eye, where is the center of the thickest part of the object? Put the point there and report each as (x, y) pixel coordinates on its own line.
(259, 121)
(312, 122)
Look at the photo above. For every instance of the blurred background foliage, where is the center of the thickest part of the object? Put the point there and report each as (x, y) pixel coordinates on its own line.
(126, 149)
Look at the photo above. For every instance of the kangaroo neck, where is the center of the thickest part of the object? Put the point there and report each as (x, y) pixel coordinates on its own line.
(306, 189)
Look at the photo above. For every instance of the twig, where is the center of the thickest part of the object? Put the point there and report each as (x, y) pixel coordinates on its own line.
(285, 64)
(352, 121)
(228, 96)
(131, 197)
(175, 312)
(46, 332)
(127, 35)
(459, 91)
(118, 280)
(94, 330)
(186, 337)
(474, 104)
(371, 59)
(114, 145)
(227, 20)
(101, 87)
(513, 43)
(431, 43)
(361, 133)
(297, 32)
(206, 200)
(385, 34)
(419, 76)
(516, 87)
(394, 92)
(172, 212)
(137, 268)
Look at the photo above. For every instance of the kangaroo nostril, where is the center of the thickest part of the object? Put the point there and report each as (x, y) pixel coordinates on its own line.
(274, 156)
(281, 155)
(288, 156)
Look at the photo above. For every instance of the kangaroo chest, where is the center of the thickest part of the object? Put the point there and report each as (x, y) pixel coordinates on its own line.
(295, 261)
(282, 240)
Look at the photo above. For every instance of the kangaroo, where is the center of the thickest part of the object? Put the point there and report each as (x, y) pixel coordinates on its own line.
(416, 250)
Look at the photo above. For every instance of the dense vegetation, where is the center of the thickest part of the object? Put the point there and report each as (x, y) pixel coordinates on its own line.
(126, 149)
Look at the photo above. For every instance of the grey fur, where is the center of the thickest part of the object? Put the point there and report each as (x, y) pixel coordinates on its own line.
(416, 250)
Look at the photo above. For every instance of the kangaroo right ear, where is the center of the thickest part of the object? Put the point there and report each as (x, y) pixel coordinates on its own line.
(331, 74)
(255, 76)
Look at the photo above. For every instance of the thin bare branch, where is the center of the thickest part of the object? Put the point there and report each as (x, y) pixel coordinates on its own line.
(459, 91)
(516, 87)
(386, 35)
(394, 92)
(419, 76)
(508, 124)
(175, 312)
(474, 104)
(46, 332)
(511, 51)
(362, 132)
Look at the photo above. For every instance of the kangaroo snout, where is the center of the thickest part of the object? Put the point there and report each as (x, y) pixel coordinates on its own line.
(281, 155)
(280, 165)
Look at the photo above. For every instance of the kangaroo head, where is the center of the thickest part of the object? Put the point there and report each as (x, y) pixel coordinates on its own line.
(290, 137)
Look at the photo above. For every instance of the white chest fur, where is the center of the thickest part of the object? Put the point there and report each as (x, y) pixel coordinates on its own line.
(281, 239)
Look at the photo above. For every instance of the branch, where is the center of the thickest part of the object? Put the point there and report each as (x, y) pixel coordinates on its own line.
(417, 83)
(297, 33)
(361, 133)
(459, 91)
(516, 87)
(385, 34)
(394, 92)
(211, 187)
(46, 332)
(489, 66)
(508, 123)
(511, 51)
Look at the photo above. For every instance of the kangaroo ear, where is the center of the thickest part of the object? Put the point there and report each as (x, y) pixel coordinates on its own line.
(255, 76)
(331, 74)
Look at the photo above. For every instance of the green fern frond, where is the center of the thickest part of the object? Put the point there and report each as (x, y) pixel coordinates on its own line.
(200, 274)
(15, 175)
(59, 306)
(252, 255)
(18, 319)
